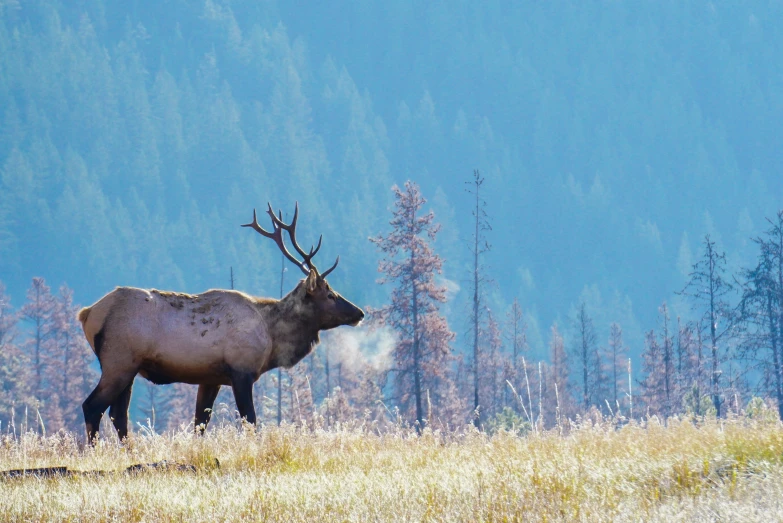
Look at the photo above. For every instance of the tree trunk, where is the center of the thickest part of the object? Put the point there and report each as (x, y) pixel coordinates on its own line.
(38, 342)
(713, 334)
(280, 372)
(416, 359)
(586, 384)
(698, 372)
(777, 336)
(416, 351)
(326, 371)
(667, 363)
(476, 419)
(614, 373)
(773, 335)
(66, 369)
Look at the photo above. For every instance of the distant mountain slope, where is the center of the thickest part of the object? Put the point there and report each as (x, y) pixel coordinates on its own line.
(135, 137)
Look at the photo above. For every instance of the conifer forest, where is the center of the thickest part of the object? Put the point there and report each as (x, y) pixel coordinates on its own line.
(552, 214)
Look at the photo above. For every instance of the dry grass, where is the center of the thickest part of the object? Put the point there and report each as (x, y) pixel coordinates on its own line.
(716, 470)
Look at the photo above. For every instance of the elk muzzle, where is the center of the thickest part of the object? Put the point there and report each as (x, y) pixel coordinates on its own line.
(349, 313)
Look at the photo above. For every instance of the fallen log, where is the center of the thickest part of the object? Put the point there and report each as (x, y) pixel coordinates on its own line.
(46, 472)
(59, 472)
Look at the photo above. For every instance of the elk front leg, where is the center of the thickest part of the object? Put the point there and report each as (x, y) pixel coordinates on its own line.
(242, 383)
(204, 402)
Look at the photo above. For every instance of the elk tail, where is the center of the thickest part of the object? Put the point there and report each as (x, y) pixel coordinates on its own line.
(83, 315)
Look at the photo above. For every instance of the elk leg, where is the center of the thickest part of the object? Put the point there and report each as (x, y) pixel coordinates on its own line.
(118, 412)
(204, 401)
(105, 393)
(243, 394)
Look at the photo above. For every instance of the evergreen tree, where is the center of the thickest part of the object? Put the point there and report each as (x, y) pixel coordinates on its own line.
(585, 351)
(599, 380)
(179, 406)
(65, 369)
(667, 355)
(686, 356)
(302, 402)
(422, 354)
(38, 311)
(491, 368)
(153, 404)
(558, 396)
(761, 311)
(708, 288)
(14, 366)
(653, 389)
(516, 335)
(617, 359)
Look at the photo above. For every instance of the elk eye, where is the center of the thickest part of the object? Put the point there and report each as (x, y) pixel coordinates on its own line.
(331, 296)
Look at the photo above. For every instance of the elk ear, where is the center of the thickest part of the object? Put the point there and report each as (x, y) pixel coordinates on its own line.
(311, 282)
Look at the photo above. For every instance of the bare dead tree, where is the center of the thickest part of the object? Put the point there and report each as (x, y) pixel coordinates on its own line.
(478, 246)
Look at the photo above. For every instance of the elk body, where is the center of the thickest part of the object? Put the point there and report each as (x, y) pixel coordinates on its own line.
(219, 337)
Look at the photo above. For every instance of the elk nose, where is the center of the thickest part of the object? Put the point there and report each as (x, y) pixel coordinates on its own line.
(361, 314)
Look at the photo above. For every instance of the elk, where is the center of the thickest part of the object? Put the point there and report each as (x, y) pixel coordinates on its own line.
(218, 337)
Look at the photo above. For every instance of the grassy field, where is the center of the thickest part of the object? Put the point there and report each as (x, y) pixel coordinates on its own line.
(726, 470)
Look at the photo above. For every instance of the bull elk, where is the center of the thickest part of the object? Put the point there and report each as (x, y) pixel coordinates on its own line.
(219, 337)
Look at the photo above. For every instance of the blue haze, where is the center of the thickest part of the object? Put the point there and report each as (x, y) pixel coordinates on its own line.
(136, 137)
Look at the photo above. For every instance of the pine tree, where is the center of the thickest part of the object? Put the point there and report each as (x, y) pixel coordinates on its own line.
(652, 386)
(490, 368)
(302, 404)
(617, 358)
(667, 355)
(585, 351)
(14, 367)
(558, 397)
(65, 369)
(422, 354)
(153, 404)
(685, 356)
(179, 406)
(761, 311)
(516, 335)
(708, 288)
(38, 312)
(599, 379)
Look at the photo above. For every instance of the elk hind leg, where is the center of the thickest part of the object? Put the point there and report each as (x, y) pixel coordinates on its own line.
(204, 402)
(242, 384)
(118, 411)
(105, 393)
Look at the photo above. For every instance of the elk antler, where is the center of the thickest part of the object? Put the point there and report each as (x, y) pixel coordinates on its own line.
(278, 226)
(330, 269)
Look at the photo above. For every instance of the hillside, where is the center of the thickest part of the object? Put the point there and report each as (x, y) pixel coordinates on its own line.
(136, 137)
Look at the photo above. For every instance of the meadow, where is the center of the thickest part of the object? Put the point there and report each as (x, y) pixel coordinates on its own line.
(710, 470)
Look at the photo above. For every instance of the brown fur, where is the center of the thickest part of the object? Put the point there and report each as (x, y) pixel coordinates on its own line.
(219, 337)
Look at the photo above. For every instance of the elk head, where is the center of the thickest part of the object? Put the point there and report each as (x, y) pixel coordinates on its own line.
(316, 297)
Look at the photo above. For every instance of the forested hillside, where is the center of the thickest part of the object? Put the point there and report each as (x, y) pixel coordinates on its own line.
(135, 138)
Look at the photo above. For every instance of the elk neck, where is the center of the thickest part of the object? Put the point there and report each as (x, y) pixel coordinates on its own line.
(292, 327)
